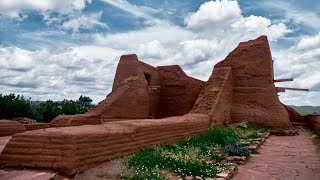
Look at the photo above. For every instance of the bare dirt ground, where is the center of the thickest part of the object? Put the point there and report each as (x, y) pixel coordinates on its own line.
(284, 158)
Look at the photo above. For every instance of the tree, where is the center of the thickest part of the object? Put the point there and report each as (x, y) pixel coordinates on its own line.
(48, 110)
(12, 106)
(84, 104)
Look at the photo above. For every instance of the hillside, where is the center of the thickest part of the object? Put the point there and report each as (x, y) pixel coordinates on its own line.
(307, 109)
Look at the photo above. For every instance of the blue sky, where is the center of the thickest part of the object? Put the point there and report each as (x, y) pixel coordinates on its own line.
(64, 48)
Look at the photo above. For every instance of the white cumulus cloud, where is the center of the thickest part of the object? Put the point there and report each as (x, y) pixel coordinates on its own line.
(15, 8)
(84, 22)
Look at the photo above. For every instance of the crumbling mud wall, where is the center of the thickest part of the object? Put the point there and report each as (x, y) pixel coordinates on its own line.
(141, 91)
(216, 97)
(73, 149)
(9, 128)
(255, 97)
(178, 91)
(313, 122)
(36, 126)
(294, 116)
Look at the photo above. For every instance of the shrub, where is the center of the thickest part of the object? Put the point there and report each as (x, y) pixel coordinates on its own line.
(236, 150)
(215, 89)
(254, 135)
(213, 137)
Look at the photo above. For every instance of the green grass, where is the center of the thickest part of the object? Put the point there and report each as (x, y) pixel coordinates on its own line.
(189, 157)
(255, 152)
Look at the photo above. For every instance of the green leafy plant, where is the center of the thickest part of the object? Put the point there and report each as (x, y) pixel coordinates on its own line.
(254, 135)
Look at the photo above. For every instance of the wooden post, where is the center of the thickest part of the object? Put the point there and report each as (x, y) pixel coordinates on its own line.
(283, 80)
(283, 89)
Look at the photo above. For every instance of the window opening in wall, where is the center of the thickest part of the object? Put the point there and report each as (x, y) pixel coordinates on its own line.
(148, 78)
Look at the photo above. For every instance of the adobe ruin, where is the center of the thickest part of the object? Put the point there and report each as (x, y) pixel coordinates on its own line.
(241, 88)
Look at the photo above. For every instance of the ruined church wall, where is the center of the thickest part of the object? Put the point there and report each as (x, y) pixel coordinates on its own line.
(178, 91)
(215, 98)
(255, 97)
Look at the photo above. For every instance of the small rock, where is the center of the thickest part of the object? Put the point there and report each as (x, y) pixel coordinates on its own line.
(223, 174)
(198, 178)
(241, 162)
(210, 179)
(236, 158)
(243, 158)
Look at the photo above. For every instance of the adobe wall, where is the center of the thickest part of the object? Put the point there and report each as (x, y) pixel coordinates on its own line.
(215, 98)
(9, 128)
(313, 122)
(255, 97)
(129, 97)
(141, 91)
(178, 91)
(36, 126)
(294, 116)
(69, 150)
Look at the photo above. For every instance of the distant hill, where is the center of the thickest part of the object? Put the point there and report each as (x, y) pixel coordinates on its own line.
(307, 109)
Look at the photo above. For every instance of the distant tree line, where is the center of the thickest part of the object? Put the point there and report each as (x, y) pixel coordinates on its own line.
(15, 106)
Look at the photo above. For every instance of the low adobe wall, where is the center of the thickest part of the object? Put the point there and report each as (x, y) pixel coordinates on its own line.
(294, 116)
(9, 128)
(73, 149)
(313, 121)
(36, 126)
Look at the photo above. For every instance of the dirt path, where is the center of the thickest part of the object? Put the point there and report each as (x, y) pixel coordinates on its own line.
(283, 158)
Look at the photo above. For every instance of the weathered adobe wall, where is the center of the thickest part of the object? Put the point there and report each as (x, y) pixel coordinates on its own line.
(167, 92)
(255, 97)
(73, 149)
(178, 91)
(215, 98)
(129, 97)
(294, 116)
(128, 100)
(153, 89)
(31, 127)
(313, 122)
(9, 128)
